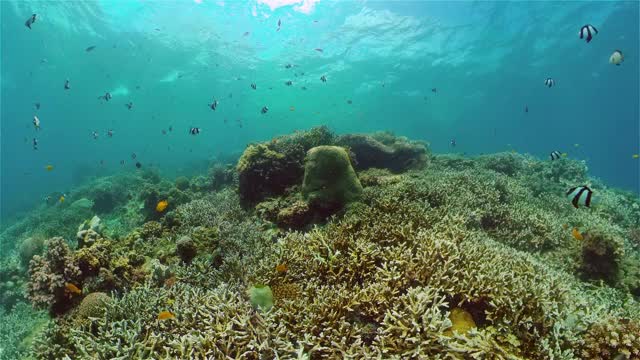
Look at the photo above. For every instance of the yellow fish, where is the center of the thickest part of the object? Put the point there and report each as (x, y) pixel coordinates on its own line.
(635, 156)
(281, 268)
(49, 167)
(72, 290)
(565, 154)
(61, 199)
(166, 315)
(162, 205)
(576, 234)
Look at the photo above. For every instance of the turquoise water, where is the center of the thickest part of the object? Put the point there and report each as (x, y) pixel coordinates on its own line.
(487, 60)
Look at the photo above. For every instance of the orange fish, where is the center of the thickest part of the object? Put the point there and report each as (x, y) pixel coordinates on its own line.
(576, 234)
(170, 282)
(281, 268)
(72, 290)
(166, 315)
(292, 108)
(162, 205)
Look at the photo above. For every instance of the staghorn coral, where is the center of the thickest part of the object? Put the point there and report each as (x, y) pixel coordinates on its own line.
(18, 327)
(12, 282)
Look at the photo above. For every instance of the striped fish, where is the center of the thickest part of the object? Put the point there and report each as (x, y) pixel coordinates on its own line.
(580, 195)
(555, 155)
(549, 82)
(587, 32)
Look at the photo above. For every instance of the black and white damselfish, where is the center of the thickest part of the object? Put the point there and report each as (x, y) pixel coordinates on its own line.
(587, 32)
(549, 82)
(580, 196)
(555, 155)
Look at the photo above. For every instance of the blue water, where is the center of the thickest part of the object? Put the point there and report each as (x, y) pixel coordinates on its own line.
(487, 60)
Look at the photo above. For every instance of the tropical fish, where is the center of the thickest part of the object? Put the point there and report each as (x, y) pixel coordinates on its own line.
(138, 165)
(49, 167)
(72, 290)
(323, 78)
(129, 105)
(162, 205)
(292, 108)
(194, 131)
(61, 199)
(214, 104)
(110, 133)
(587, 32)
(264, 110)
(318, 50)
(37, 105)
(526, 108)
(254, 86)
(576, 234)
(166, 315)
(36, 122)
(67, 85)
(30, 21)
(35, 144)
(349, 102)
(616, 58)
(635, 156)
(434, 90)
(452, 142)
(95, 135)
(580, 195)
(133, 155)
(90, 48)
(281, 268)
(554, 155)
(106, 97)
(289, 83)
(246, 33)
(549, 82)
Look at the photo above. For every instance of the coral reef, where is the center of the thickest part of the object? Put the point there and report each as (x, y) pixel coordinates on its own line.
(329, 180)
(49, 275)
(268, 169)
(464, 258)
(17, 330)
(186, 249)
(385, 150)
(12, 282)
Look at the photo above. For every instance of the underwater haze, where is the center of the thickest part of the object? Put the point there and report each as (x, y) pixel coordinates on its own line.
(319, 179)
(487, 60)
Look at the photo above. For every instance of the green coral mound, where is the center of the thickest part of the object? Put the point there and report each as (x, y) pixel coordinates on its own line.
(329, 179)
(261, 297)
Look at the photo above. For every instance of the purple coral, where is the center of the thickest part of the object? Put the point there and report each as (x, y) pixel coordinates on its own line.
(49, 274)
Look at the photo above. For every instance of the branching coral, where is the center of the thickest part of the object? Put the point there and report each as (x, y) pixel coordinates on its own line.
(49, 275)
